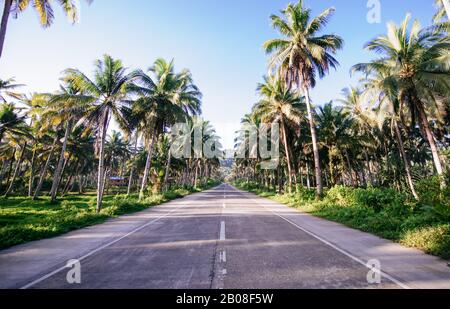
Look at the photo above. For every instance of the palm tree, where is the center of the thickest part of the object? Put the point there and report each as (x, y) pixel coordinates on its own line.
(381, 89)
(162, 103)
(6, 90)
(279, 105)
(417, 62)
(65, 100)
(44, 9)
(103, 97)
(302, 54)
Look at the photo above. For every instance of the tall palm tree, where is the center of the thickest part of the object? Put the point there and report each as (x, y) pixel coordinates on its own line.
(66, 100)
(417, 62)
(102, 98)
(162, 102)
(280, 105)
(380, 89)
(43, 8)
(300, 55)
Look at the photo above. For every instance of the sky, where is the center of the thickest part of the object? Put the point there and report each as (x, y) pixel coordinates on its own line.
(220, 41)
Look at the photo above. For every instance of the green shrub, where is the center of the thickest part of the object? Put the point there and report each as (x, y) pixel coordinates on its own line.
(341, 195)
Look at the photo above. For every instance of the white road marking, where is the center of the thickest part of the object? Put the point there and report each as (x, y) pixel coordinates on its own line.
(222, 230)
(224, 205)
(396, 281)
(99, 249)
(223, 257)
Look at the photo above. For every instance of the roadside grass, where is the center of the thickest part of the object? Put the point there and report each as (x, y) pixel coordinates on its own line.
(23, 220)
(424, 225)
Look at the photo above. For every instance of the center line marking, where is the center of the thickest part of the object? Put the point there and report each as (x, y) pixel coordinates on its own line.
(224, 205)
(222, 230)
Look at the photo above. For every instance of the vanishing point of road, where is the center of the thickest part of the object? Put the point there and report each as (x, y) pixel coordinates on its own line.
(222, 238)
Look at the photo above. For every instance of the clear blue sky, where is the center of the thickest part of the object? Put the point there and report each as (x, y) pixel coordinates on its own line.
(219, 40)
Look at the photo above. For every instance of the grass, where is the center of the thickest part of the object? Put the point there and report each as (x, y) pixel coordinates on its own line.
(424, 225)
(23, 220)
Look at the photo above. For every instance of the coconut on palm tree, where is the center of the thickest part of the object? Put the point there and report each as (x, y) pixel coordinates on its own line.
(300, 55)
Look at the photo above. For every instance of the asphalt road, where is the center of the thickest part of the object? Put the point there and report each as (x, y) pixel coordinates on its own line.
(224, 238)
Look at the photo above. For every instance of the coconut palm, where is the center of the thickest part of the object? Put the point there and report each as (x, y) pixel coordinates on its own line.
(43, 8)
(300, 55)
(103, 97)
(417, 62)
(65, 100)
(163, 101)
(280, 105)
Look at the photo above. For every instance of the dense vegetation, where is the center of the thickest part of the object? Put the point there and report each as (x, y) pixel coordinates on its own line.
(381, 151)
(381, 211)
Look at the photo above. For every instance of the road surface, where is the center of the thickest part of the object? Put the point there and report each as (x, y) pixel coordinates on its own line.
(220, 239)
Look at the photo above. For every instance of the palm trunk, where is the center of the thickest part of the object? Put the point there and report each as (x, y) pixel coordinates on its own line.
(350, 170)
(288, 159)
(147, 165)
(312, 125)
(405, 160)
(31, 180)
(44, 170)
(66, 162)
(431, 141)
(166, 176)
(369, 171)
(58, 171)
(16, 170)
(130, 181)
(101, 163)
(11, 161)
(308, 180)
(4, 24)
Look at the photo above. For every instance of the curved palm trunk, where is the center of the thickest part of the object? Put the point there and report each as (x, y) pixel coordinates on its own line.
(101, 163)
(16, 170)
(4, 24)
(405, 160)
(431, 141)
(148, 165)
(59, 168)
(44, 170)
(130, 181)
(312, 125)
(286, 148)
